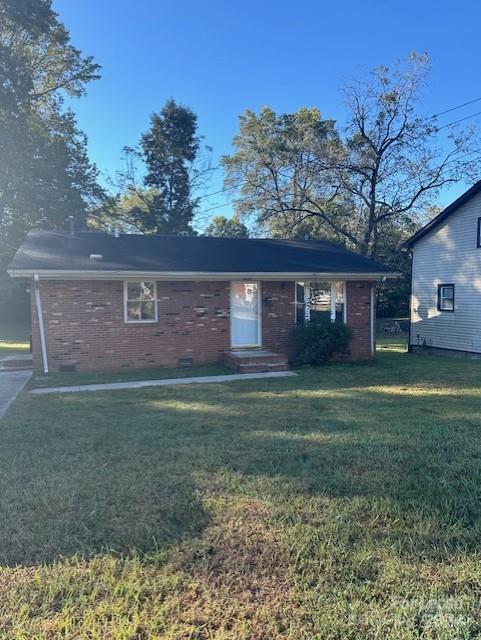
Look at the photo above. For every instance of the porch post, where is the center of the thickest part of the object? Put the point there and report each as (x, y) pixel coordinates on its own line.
(333, 301)
(307, 302)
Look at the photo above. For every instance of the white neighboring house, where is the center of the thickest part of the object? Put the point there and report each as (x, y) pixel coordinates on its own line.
(446, 280)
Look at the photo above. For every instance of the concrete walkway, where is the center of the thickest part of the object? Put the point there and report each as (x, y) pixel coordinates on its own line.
(114, 386)
(11, 383)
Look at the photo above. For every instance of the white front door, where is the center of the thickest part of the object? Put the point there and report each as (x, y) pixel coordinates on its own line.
(245, 314)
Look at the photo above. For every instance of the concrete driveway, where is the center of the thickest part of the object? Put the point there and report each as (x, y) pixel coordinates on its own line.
(11, 383)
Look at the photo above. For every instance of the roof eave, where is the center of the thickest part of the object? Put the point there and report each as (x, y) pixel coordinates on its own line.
(445, 213)
(62, 274)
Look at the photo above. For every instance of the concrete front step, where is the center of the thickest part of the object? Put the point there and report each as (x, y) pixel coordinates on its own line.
(255, 361)
(260, 367)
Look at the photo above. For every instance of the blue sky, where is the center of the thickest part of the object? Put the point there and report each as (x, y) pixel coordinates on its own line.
(220, 58)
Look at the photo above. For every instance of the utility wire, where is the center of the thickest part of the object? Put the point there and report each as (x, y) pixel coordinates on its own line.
(226, 204)
(214, 193)
(435, 115)
(450, 124)
(465, 104)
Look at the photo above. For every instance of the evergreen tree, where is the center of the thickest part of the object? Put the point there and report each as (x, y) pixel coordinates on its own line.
(169, 149)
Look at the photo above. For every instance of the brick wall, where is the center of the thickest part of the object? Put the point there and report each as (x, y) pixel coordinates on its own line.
(359, 318)
(84, 323)
(277, 314)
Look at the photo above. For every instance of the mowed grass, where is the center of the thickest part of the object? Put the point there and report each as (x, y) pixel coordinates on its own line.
(14, 339)
(344, 503)
(13, 347)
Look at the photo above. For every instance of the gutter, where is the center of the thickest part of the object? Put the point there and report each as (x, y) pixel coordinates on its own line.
(373, 322)
(38, 303)
(64, 274)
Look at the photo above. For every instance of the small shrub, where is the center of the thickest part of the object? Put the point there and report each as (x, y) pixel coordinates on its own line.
(318, 343)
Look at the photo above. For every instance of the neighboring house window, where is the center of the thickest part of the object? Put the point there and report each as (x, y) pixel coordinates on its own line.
(140, 301)
(446, 297)
(479, 233)
(319, 301)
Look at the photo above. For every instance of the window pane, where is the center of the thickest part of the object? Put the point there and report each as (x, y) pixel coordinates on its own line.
(148, 311)
(148, 292)
(339, 301)
(300, 292)
(140, 301)
(134, 290)
(300, 314)
(448, 304)
(318, 295)
(300, 306)
(134, 310)
(320, 302)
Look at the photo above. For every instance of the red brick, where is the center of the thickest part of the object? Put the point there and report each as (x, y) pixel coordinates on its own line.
(359, 318)
(84, 323)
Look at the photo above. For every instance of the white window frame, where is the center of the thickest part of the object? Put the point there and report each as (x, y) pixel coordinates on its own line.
(333, 301)
(127, 320)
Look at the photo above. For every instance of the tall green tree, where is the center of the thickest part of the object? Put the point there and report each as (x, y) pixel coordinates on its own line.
(45, 174)
(155, 192)
(377, 175)
(282, 173)
(168, 151)
(222, 227)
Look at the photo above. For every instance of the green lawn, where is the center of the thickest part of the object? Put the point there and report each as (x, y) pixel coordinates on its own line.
(344, 503)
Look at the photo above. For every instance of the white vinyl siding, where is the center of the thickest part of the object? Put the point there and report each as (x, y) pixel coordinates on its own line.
(449, 255)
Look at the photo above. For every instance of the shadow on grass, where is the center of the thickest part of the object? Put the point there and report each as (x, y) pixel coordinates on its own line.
(139, 469)
(81, 481)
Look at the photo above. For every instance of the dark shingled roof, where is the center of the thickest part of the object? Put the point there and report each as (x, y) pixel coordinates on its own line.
(47, 250)
(454, 206)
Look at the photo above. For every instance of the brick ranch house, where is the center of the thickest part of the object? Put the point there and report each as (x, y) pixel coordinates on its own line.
(108, 302)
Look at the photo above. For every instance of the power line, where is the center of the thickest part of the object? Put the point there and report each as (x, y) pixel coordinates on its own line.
(459, 106)
(450, 124)
(435, 115)
(218, 206)
(214, 193)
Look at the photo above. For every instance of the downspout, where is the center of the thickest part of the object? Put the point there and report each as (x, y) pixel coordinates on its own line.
(38, 304)
(373, 321)
(410, 349)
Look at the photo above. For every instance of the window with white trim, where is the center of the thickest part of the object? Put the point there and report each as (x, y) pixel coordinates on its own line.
(446, 297)
(140, 301)
(319, 302)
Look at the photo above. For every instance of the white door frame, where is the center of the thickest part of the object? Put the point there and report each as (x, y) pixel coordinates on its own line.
(259, 315)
